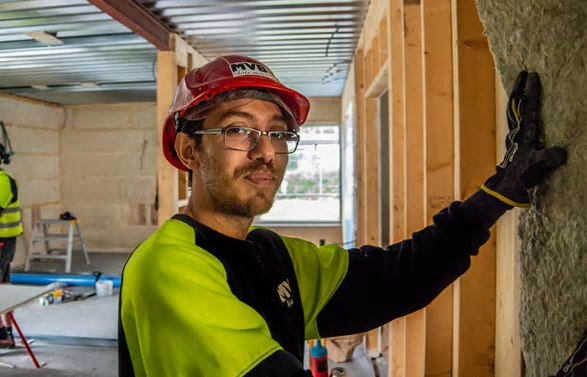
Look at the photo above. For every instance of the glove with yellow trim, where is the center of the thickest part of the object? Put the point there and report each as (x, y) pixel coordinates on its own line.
(526, 162)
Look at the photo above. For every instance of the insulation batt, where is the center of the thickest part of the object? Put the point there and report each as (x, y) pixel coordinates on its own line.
(549, 37)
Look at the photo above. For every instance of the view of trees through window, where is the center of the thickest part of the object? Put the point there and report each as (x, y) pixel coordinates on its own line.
(310, 191)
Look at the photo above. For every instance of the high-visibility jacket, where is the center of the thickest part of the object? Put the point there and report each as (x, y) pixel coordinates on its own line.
(10, 218)
(187, 308)
(195, 302)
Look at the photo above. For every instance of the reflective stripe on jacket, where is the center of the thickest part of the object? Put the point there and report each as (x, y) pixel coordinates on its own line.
(10, 217)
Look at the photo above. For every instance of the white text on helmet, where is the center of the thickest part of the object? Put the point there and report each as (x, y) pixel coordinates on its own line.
(249, 68)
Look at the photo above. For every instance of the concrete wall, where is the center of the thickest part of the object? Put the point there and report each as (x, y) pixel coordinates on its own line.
(33, 128)
(324, 110)
(109, 165)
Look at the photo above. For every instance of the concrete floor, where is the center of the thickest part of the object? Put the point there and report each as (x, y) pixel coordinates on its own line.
(70, 339)
(79, 338)
(60, 361)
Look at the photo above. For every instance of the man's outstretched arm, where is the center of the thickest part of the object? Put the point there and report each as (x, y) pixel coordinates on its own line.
(382, 284)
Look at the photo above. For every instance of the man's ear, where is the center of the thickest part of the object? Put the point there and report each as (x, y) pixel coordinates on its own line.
(186, 150)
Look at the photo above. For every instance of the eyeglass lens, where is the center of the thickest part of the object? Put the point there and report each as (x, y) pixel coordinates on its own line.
(242, 138)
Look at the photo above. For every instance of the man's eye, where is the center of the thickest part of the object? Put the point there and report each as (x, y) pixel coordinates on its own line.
(237, 131)
(278, 135)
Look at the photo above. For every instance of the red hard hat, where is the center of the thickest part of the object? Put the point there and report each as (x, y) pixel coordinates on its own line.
(224, 74)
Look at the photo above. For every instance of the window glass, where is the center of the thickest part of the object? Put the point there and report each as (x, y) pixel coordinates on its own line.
(310, 191)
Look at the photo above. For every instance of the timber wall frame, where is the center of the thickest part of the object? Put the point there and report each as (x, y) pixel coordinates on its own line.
(432, 58)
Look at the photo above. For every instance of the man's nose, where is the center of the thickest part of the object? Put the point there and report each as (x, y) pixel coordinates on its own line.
(263, 149)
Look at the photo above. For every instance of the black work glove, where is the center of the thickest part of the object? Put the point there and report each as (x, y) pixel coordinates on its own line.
(526, 162)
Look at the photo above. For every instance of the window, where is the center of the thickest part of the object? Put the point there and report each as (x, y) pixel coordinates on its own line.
(310, 191)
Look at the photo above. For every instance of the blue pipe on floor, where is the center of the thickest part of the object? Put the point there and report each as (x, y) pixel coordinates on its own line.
(68, 279)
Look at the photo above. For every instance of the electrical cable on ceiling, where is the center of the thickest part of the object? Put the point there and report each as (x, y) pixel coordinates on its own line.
(330, 39)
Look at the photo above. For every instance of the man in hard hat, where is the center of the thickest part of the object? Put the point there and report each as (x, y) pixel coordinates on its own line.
(10, 228)
(211, 295)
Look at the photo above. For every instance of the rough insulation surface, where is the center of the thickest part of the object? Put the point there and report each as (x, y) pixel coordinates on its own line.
(550, 37)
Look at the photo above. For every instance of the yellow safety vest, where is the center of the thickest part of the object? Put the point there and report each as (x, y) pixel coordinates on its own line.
(10, 218)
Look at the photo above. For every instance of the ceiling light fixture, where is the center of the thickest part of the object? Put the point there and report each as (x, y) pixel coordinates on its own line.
(44, 37)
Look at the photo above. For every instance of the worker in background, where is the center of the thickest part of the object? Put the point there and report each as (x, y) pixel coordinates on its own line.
(209, 294)
(10, 228)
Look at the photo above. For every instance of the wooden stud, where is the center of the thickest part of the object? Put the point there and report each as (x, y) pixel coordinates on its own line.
(372, 191)
(397, 115)
(372, 176)
(438, 124)
(383, 42)
(369, 67)
(508, 361)
(182, 50)
(397, 348)
(377, 63)
(413, 96)
(397, 335)
(360, 147)
(474, 327)
(167, 179)
(415, 178)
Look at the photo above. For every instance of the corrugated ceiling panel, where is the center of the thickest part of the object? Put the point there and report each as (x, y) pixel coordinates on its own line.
(308, 44)
(99, 60)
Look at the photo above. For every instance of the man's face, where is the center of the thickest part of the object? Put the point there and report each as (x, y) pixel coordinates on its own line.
(239, 183)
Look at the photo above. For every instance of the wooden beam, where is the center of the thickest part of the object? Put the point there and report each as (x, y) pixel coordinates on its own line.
(397, 115)
(438, 125)
(508, 360)
(474, 342)
(369, 68)
(360, 149)
(372, 176)
(384, 40)
(397, 334)
(372, 232)
(167, 175)
(415, 174)
(397, 348)
(376, 56)
(137, 18)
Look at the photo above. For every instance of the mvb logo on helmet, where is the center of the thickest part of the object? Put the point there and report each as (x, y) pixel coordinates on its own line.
(250, 68)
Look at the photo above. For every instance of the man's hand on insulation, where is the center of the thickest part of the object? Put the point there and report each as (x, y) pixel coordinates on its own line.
(526, 162)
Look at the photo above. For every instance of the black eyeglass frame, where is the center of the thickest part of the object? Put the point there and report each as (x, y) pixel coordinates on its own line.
(218, 131)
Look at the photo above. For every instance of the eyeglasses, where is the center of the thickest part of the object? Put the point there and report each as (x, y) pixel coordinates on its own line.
(245, 138)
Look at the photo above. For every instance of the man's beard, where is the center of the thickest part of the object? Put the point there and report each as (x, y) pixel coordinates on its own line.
(224, 193)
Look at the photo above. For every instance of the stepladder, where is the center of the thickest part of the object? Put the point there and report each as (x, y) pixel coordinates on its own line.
(59, 238)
